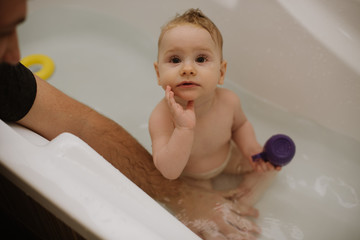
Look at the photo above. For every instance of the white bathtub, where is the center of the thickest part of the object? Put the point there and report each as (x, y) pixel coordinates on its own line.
(295, 65)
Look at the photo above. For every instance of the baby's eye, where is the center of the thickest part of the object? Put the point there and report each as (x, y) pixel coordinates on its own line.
(175, 59)
(201, 59)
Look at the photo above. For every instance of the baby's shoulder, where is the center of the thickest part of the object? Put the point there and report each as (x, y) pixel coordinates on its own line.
(227, 96)
(161, 105)
(160, 109)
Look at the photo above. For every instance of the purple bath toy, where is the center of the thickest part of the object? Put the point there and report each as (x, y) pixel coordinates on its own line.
(279, 150)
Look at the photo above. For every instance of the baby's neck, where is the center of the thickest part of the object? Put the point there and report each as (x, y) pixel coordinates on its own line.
(202, 105)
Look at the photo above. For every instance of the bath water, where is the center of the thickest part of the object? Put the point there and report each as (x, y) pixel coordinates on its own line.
(319, 190)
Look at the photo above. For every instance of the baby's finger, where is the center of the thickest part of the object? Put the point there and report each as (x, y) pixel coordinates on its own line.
(269, 167)
(258, 167)
(170, 97)
(172, 102)
(168, 89)
(253, 163)
(264, 166)
(167, 93)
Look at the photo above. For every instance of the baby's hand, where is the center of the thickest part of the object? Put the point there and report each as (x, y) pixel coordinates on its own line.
(183, 118)
(260, 165)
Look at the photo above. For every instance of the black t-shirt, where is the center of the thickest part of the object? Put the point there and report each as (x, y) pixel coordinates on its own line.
(17, 91)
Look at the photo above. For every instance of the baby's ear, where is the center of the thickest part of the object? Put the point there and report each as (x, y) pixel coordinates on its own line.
(223, 66)
(156, 66)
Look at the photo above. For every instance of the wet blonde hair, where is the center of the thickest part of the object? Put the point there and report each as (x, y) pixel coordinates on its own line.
(197, 18)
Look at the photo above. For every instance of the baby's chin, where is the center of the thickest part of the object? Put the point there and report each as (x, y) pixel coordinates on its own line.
(184, 98)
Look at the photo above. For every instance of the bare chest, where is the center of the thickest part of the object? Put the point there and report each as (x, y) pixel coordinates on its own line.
(212, 134)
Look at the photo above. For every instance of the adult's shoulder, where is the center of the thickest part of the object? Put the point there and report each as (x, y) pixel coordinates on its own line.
(17, 91)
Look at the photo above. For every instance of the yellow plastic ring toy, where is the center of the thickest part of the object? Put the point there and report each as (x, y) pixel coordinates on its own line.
(47, 64)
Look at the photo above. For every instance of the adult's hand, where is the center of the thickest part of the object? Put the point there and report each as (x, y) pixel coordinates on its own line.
(216, 215)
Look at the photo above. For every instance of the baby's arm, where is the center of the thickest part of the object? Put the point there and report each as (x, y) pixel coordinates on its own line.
(244, 136)
(172, 133)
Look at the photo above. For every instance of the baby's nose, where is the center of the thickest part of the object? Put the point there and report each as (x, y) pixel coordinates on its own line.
(188, 70)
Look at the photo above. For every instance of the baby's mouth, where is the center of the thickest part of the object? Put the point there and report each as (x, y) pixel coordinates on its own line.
(187, 84)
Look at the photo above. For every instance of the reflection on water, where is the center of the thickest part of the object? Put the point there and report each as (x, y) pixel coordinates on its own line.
(344, 193)
(329, 187)
(275, 229)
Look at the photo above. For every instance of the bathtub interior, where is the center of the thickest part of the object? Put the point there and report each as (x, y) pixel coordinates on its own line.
(315, 197)
(265, 47)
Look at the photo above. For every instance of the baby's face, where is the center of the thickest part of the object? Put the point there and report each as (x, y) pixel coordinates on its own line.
(189, 61)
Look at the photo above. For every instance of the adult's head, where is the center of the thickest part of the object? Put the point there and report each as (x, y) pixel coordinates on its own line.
(12, 13)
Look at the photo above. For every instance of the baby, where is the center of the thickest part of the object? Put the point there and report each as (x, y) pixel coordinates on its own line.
(198, 130)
